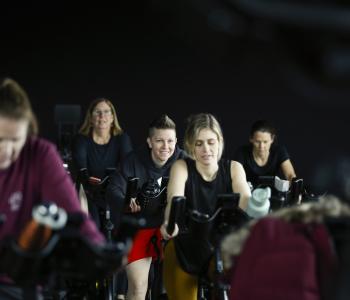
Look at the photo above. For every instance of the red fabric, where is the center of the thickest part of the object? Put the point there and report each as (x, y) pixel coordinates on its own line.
(287, 261)
(143, 246)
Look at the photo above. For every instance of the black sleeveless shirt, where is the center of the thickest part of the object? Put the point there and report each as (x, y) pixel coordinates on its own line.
(193, 249)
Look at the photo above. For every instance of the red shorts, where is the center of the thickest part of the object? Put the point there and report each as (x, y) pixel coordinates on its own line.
(144, 245)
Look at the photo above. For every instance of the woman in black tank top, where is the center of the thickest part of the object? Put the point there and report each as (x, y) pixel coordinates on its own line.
(200, 179)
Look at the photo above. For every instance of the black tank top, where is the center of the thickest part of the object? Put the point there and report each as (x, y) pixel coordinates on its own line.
(194, 250)
(201, 195)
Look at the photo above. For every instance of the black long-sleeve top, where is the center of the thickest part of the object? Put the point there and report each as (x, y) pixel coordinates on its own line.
(98, 158)
(138, 164)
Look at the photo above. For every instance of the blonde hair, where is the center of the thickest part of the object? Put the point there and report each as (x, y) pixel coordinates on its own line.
(195, 124)
(86, 128)
(15, 104)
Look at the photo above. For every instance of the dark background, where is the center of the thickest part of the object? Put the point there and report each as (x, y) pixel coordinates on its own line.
(179, 57)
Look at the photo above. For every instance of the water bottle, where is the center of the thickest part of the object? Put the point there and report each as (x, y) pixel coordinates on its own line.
(38, 231)
(259, 203)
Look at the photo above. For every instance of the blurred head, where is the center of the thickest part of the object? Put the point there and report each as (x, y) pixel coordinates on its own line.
(17, 121)
(162, 139)
(262, 135)
(203, 139)
(100, 115)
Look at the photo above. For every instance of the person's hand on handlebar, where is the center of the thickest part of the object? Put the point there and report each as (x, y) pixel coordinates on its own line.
(94, 180)
(134, 207)
(164, 232)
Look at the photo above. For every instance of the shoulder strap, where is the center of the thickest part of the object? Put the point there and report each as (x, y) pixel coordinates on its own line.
(226, 164)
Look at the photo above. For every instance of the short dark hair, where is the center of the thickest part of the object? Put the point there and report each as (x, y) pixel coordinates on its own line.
(15, 104)
(263, 126)
(161, 122)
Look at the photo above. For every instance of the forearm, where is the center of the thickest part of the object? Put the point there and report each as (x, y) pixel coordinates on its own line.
(167, 211)
(288, 170)
(244, 198)
(240, 184)
(290, 177)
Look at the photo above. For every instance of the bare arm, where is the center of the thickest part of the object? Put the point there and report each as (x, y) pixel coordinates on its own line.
(239, 183)
(288, 170)
(176, 187)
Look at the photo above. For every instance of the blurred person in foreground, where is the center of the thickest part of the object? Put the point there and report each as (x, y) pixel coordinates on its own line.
(31, 171)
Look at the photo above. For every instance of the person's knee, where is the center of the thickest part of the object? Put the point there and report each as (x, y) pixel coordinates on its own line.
(138, 285)
(137, 273)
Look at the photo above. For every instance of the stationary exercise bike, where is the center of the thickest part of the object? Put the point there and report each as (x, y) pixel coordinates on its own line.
(151, 197)
(227, 217)
(51, 248)
(285, 193)
(95, 189)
